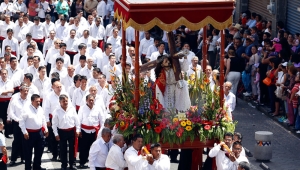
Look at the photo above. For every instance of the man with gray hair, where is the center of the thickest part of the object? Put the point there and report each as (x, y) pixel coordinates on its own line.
(82, 51)
(15, 110)
(115, 158)
(99, 150)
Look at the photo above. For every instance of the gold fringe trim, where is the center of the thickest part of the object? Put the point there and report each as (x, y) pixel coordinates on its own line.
(170, 27)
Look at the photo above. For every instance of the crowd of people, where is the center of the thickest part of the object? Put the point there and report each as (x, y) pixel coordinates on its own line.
(61, 62)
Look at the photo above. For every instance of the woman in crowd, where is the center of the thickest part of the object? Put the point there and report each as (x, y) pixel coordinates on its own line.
(254, 59)
(32, 6)
(273, 62)
(76, 7)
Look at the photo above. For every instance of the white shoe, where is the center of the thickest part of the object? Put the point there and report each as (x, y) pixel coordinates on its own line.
(286, 121)
(247, 94)
(298, 131)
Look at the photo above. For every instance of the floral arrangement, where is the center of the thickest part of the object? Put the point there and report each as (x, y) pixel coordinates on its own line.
(204, 120)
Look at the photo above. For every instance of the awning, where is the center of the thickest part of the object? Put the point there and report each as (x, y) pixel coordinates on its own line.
(170, 14)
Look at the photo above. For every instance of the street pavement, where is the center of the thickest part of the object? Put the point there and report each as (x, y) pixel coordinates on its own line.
(286, 146)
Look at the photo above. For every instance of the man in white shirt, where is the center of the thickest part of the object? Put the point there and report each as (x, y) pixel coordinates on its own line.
(71, 45)
(28, 80)
(19, 6)
(7, 7)
(99, 150)
(25, 43)
(193, 68)
(77, 27)
(110, 27)
(115, 158)
(60, 69)
(144, 45)
(49, 25)
(114, 40)
(212, 42)
(94, 80)
(82, 52)
(5, 25)
(102, 88)
(130, 36)
(91, 119)
(15, 74)
(103, 12)
(68, 80)
(12, 42)
(38, 32)
(160, 52)
(159, 161)
(33, 69)
(15, 110)
(111, 68)
(61, 54)
(190, 54)
(81, 65)
(40, 80)
(152, 48)
(131, 55)
(26, 20)
(98, 32)
(94, 50)
(51, 52)
(88, 70)
(135, 161)
(61, 30)
(230, 99)
(31, 124)
(49, 42)
(86, 38)
(64, 122)
(104, 57)
(42, 8)
(76, 84)
(79, 93)
(20, 31)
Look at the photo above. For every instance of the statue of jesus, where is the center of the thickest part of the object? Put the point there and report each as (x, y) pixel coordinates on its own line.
(171, 93)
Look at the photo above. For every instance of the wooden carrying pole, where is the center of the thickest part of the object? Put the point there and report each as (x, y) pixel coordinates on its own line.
(137, 70)
(123, 62)
(222, 67)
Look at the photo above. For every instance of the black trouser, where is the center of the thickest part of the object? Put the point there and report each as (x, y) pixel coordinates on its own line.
(212, 58)
(3, 166)
(173, 154)
(185, 161)
(40, 45)
(53, 144)
(17, 146)
(66, 137)
(85, 143)
(36, 140)
(48, 68)
(3, 115)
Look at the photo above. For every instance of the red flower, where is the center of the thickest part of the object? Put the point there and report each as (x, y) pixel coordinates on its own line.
(180, 130)
(207, 127)
(160, 106)
(157, 111)
(125, 127)
(172, 127)
(152, 106)
(117, 125)
(157, 129)
(162, 125)
(148, 126)
(178, 134)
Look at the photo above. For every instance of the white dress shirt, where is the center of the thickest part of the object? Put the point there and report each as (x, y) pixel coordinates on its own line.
(32, 90)
(115, 158)
(4, 86)
(7, 8)
(20, 32)
(71, 45)
(67, 80)
(42, 9)
(230, 102)
(76, 58)
(78, 69)
(98, 154)
(103, 92)
(47, 45)
(109, 71)
(65, 119)
(16, 106)
(50, 103)
(109, 29)
(71, 90)
(51, 52)
(77, 96)
(92, 81)
(62, 73)
(66, 57)
(23, 45)
(87, 41)
(14, 45)
(97, 32)
(135, 161)
(144, 45)
(38, 31)
(103, 60)
(152, 48)
(79, 30)
(118, 53)
(4, 27)
(91, 51)
(32, 118)
(130, 34)
(155, 54)
(16, 76)
(61, 32)
(102, 9)
(162, 163)
(191, 71)
(91, 117)
(39, 84)
(87, 72)
(115, 42)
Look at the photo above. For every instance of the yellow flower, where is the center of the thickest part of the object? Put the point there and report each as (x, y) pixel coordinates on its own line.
(122, 123)
(188, 122)
(175, 119)
(201, 86)
(188, 128)
(183, 123)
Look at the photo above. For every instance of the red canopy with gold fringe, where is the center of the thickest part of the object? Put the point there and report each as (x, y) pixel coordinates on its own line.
(170, 14)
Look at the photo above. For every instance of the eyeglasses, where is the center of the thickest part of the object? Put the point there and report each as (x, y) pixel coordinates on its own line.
(57, 43)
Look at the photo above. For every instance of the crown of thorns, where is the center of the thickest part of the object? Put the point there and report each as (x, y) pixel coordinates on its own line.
(161, 58)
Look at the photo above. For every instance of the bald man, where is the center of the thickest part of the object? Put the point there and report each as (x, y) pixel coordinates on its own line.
(67, 80)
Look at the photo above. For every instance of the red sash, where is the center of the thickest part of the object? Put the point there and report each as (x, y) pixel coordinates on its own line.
(4, 159)
(77, 107)
(75, 139)
(100, 44)
(14, 53)
(2, 38)
(109, 169)
(39, 40)
(71, 52)
(16, 88)
(143, 55)
(4, 99)
(161, 81)
(50, 115)
(97, 128)
(33, 130)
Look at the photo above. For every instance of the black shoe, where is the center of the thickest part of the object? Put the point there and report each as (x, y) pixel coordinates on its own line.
(54, 158)
(22, 162)
(73, 167)
(81, 166)
(12, 163)
(174, 161)
(63, 168)
(249, 154)
(8, 137)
